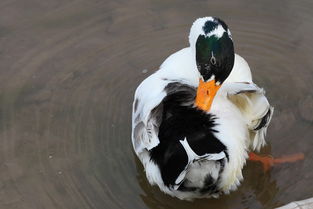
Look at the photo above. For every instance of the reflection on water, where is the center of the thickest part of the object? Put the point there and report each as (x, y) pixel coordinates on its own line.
(68, 75)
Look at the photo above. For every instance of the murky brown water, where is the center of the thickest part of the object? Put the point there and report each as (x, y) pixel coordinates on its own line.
(68, 71)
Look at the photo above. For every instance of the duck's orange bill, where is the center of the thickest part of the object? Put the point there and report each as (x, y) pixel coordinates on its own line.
(205, 94)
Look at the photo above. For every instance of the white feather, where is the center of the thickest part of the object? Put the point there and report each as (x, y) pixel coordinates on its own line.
(218, 32)
(192, 156)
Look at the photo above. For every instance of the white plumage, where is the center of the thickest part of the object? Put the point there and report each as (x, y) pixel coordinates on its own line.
(239, 107)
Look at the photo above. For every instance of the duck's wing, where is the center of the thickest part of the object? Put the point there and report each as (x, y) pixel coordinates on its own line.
(147, 113)
(255, 108)
(250, 100)
(147, 107)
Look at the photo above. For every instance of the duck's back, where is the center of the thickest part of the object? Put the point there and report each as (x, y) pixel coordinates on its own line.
(189, 156)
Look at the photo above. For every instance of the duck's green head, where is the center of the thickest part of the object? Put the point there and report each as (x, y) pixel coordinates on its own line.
(211, 41)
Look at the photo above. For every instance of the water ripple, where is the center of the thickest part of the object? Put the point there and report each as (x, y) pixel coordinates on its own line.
(69, 72)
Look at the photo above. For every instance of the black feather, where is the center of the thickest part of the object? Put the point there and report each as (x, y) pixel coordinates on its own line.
(181, 120)
(265, 120)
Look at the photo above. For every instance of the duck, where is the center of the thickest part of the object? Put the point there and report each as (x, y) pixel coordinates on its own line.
(196, 119)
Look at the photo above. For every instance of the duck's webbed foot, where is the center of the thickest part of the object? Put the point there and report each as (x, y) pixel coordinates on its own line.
(269, 161)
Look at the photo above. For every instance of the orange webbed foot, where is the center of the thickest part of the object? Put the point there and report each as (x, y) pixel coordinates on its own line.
(269, 161)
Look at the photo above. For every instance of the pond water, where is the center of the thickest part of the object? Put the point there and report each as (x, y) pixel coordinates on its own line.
(68, 71)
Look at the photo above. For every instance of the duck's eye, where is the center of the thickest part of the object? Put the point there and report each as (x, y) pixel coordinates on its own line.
(213, 60)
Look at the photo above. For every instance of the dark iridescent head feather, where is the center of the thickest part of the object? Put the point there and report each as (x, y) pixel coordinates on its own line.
(215, 51)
